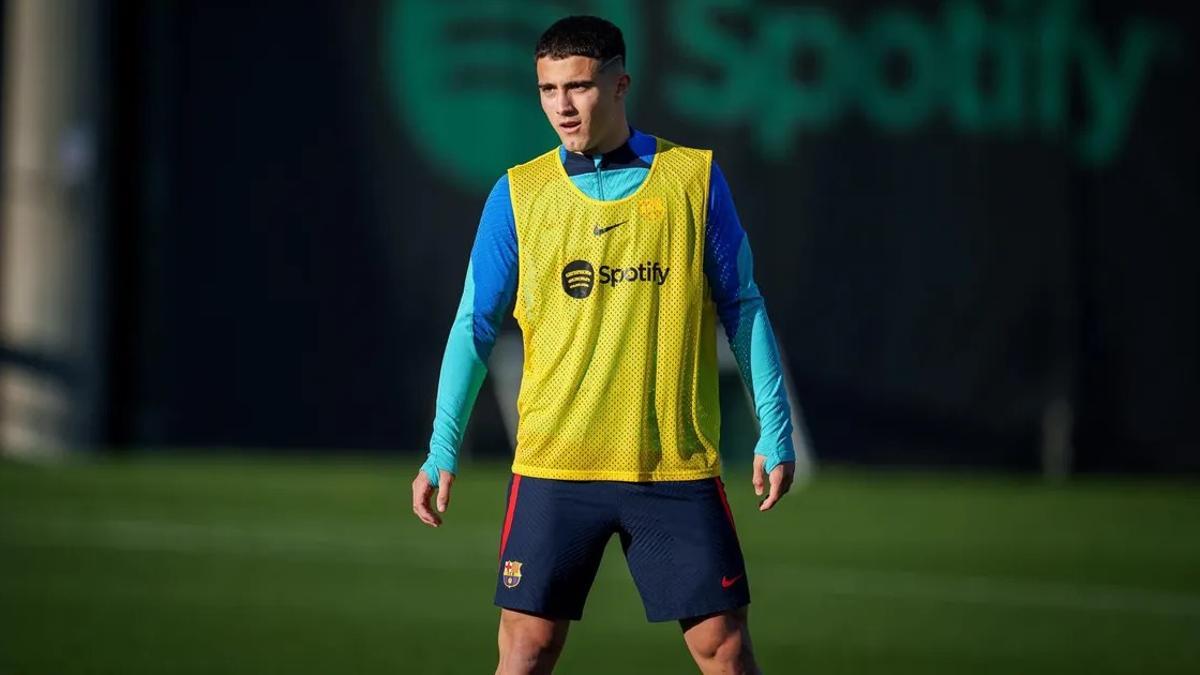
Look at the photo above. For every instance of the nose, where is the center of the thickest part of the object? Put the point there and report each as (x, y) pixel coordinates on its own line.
(566, 107)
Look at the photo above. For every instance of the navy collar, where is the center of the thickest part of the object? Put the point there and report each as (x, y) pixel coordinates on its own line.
(636, 153)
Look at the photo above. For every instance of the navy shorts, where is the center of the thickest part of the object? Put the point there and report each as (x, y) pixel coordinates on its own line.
(678, 537)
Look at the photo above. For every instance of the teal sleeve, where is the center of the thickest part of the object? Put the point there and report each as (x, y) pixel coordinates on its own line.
(487, 293)
(729, 267)
(757, 355)
(461, 377)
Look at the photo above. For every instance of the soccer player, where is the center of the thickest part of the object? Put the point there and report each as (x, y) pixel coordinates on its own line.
(622, 252)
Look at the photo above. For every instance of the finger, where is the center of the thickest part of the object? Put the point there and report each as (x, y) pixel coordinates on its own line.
(420, 505)
(445, 478)
(776, 479)
(759, 476)
(421, 508)
(789, 475)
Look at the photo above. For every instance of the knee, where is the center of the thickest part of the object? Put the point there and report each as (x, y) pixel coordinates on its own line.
(721, 644)
(729, 649)
(530, 648)
(526, 648)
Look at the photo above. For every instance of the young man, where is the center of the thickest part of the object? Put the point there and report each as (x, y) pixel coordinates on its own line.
(622, 251)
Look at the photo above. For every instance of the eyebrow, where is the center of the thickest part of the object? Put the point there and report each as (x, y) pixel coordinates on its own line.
(566, 85)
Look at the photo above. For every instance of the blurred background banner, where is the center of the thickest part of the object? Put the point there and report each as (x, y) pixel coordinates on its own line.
(247, 224)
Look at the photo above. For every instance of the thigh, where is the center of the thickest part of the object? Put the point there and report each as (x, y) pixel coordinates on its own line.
(681, 544)
(552, 539)
(531, 630)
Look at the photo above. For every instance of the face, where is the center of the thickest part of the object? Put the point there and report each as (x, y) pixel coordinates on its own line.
(585, 105)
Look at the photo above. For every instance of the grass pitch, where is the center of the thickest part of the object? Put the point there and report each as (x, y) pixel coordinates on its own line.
(158, 565)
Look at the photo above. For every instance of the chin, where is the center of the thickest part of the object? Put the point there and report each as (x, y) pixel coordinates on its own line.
(575, 144)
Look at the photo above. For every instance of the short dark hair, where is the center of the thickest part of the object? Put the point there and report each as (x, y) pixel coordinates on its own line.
(588, 36)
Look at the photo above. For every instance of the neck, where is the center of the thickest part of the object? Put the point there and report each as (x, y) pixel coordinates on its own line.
(615, 140)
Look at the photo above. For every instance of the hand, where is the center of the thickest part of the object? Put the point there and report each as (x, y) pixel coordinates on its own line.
(780, 481)
(422, 490)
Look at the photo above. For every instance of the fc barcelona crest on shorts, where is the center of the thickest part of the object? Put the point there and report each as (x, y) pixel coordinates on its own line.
(512, 573)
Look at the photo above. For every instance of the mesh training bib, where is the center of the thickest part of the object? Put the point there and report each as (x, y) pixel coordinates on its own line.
(620, 374)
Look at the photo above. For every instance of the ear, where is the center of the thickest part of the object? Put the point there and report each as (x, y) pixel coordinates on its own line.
(623, 83)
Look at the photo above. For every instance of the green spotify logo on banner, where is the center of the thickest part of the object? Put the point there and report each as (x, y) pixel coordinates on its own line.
(460, 75)
(1004, 70)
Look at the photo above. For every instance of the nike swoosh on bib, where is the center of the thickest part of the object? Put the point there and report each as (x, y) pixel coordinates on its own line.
(597, 230)
(726, 582)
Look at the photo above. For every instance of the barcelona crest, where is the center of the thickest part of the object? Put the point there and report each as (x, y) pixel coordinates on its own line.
(512, 573)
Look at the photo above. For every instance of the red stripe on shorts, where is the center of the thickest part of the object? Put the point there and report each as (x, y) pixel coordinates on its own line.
(725, 503)
(512, 507)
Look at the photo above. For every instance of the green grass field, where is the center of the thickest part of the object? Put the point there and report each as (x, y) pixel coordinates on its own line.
(317, 566)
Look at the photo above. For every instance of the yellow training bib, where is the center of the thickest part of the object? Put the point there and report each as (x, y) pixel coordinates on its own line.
(620, 374)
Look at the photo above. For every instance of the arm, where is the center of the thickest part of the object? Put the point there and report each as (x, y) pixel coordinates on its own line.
(729, 267)
(487, 293)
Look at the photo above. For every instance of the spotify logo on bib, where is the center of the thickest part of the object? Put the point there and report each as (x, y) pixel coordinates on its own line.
(578, 277)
